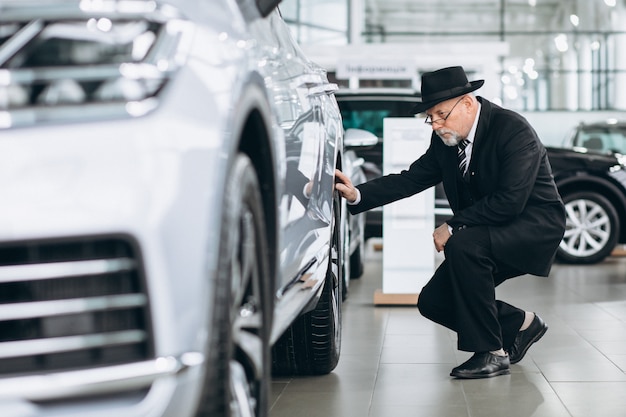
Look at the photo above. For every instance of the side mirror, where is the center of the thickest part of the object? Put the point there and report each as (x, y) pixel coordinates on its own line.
(359, 138)
(266, 6)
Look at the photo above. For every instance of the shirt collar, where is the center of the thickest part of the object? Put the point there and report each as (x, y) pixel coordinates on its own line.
(472, 132)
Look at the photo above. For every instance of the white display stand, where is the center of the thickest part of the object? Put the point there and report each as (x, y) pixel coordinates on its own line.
(408, 224)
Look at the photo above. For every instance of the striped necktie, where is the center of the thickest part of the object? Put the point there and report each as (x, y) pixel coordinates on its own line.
(461, 155)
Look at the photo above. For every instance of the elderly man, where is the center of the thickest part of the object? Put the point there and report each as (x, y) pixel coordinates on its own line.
(508, 218)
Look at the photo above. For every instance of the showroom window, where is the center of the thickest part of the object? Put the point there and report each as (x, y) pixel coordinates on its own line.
(317, 21)
(562, 54)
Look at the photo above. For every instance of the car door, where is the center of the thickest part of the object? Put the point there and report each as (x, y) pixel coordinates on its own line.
(304, 111)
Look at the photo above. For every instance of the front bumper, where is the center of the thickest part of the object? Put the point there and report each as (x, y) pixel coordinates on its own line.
(97, 381)
(153, 181)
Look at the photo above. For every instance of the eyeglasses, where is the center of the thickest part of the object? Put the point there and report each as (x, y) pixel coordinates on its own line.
(429, 120)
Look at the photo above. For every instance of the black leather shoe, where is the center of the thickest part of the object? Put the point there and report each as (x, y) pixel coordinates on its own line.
(482, 365)
(526, 338)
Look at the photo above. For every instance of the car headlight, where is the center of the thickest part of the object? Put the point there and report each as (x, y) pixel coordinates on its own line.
(90, 60)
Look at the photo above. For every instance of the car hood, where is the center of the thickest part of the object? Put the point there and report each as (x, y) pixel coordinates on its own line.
(570, 158)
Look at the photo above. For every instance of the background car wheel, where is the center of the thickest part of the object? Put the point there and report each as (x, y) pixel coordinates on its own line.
(311, 346)
(238, 374)
(591, 231)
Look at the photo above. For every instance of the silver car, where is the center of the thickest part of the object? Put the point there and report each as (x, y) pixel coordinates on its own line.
(169, 229)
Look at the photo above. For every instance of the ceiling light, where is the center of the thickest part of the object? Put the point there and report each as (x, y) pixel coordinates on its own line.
(510, 92)
(561, 42)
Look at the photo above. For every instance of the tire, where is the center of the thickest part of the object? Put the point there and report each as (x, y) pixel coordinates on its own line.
(356, 262)
(238, 376)
(312, 344)
(591, 231)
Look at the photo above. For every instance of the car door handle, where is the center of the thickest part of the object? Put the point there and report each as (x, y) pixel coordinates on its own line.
(331, 88)
(318, 90)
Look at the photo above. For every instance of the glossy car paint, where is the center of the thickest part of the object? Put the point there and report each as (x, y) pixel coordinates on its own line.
(157, 175)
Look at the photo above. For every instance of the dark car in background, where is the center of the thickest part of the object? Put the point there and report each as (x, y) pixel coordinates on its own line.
(593, 188)
(591, 178)
(589, 171)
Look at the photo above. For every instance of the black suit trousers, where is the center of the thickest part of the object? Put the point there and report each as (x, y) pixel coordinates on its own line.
(461, 293)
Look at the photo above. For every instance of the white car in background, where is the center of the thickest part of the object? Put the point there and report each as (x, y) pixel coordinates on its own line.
(169, 229)
(353, 167)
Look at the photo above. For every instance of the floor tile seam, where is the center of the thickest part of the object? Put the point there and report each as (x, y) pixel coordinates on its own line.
(607, 356)
(579, 293)
(550, 384)
(590, 343)
(617, 355)
(609, 312)
(379, 361)
(453, 339)
(465, 399)
(436, 362)
(278, 397)
(385, 324)
(570, 382)
(586, 300)
(575, 383)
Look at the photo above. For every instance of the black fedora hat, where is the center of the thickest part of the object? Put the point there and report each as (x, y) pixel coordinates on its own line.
(444, 84)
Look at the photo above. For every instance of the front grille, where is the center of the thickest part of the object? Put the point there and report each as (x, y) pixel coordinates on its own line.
(72, 304)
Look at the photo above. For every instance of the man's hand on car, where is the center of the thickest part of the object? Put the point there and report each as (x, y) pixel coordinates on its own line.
(345, 187)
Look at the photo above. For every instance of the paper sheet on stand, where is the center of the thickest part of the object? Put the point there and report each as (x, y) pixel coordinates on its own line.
(408, 251)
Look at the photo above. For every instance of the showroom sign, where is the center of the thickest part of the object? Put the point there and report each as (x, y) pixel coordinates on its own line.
(373, 70)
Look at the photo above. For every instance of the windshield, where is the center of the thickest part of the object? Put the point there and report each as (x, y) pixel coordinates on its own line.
(602, 138)
(368, 115)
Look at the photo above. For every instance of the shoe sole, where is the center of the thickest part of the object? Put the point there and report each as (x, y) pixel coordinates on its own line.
(480, 376)
(535, 340)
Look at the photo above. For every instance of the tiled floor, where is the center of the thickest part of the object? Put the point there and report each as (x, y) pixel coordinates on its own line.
(395, 363)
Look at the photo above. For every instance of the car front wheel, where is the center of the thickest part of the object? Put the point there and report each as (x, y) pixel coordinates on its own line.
(591, 231)
(238, 374)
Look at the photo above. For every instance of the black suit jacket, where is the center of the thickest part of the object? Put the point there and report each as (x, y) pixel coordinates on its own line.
(510, 182)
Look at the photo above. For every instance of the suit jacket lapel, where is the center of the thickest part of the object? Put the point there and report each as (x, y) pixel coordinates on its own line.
(481, 129)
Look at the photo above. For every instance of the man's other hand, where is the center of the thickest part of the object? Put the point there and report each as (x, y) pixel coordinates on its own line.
(441, 236)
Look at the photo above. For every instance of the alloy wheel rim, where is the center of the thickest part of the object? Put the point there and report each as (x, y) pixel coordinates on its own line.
(246, 318)
(587, 230)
